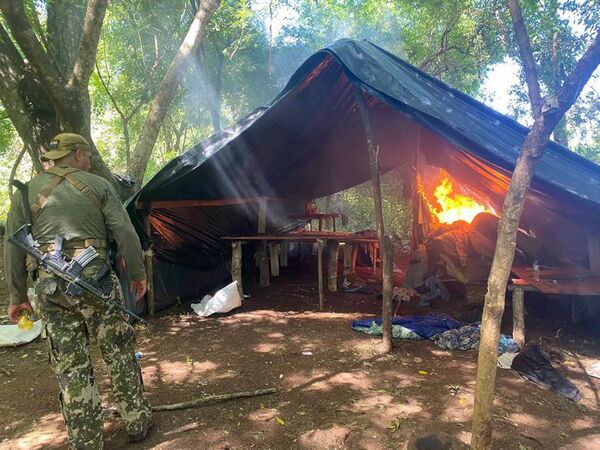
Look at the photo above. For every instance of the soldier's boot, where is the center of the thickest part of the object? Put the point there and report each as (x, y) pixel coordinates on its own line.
(141, 435)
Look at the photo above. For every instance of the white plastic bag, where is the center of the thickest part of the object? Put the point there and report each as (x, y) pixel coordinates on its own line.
(594, 370)
(11, 335)
(223, 301)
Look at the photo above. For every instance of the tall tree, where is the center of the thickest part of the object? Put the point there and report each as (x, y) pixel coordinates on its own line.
(45, 74)
(56, 76)
(547, 112)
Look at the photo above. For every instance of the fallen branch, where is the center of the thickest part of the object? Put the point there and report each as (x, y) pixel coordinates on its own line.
(213, 399)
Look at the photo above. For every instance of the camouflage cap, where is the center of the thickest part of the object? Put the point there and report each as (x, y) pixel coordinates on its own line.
(63, 144)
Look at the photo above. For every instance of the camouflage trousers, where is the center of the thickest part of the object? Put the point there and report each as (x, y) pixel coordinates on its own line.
(68, 332)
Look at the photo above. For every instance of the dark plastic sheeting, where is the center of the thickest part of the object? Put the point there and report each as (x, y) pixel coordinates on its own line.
(309, 142)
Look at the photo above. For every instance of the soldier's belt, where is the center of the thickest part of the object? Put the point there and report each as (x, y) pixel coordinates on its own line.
(98, 244)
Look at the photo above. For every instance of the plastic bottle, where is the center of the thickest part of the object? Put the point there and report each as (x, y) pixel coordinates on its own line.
(24, 322)
(536, 271)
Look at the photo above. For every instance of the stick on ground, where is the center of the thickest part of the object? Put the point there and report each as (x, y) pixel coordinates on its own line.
(213, 399)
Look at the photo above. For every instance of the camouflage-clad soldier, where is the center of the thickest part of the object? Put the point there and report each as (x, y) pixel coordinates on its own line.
(68, 201)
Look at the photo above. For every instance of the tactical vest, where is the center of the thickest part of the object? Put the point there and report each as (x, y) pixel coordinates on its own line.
(61, 174)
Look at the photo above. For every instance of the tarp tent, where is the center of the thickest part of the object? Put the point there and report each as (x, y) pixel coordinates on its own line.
(309, 142)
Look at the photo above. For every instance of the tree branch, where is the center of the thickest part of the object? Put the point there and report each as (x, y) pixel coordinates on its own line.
(88, 46)
(533, 84)
(20, 28)
(164, 95)
(13, 171)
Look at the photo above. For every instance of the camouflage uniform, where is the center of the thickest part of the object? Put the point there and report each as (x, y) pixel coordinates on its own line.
(69, 322)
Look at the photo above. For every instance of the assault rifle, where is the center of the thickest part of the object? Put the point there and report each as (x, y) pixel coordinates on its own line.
(69, 271)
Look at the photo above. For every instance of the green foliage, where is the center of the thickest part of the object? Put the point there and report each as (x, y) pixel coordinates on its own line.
(454, 41)
(570, 25)
(357, 204)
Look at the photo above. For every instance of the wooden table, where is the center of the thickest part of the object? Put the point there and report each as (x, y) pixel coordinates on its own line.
(318, 216)
(279, 255)
(551, 281)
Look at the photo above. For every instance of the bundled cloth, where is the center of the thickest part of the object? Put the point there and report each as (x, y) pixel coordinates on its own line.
(415, 327)
(535, 364)
(467, 338)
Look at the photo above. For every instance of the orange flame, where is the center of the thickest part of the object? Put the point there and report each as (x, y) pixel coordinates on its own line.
(453, 206)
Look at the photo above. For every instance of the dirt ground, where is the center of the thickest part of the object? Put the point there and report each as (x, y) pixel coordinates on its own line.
(342, 395)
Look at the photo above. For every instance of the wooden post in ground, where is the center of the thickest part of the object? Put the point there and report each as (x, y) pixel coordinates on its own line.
(384, 242)
(333, 248)
(594, 252)
(354, 257)
(283, 256)
(236, 265)
(149, 266)
(575, 310)
(347, 259)
(320, 246)
(518, 300)
(275, 259)
(261, 251)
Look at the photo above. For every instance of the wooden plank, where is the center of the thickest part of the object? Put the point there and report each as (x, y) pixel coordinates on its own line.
(236, 265)
(333, 248)
(571, 281)
(320, 246)
(519, 317)
(206, 203)
(307, 237)
(274, 247)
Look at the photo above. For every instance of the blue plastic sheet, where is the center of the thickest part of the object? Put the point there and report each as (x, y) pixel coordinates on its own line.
(425, 326)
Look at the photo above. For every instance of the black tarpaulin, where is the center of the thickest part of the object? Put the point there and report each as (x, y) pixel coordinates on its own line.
(309, 142)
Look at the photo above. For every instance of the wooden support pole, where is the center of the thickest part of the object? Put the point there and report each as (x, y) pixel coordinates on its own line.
(594, 252)
(262, 217)
(261, 250)
(283, 256)
(275, 259)
(333, 248)
(263, 264)
(347, 259)
(518, 298)
(149, 266)
(320, 246)
(378, 204)
(354, 257)
(236, 265)
(575, 309)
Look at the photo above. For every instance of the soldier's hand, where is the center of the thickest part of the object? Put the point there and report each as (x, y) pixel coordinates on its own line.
(14, 311)
(138, 289)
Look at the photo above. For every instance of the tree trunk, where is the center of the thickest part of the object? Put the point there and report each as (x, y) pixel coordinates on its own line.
(162, 100)
(533, 85)
(50, 100)
(532, 149)
(383, 241)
